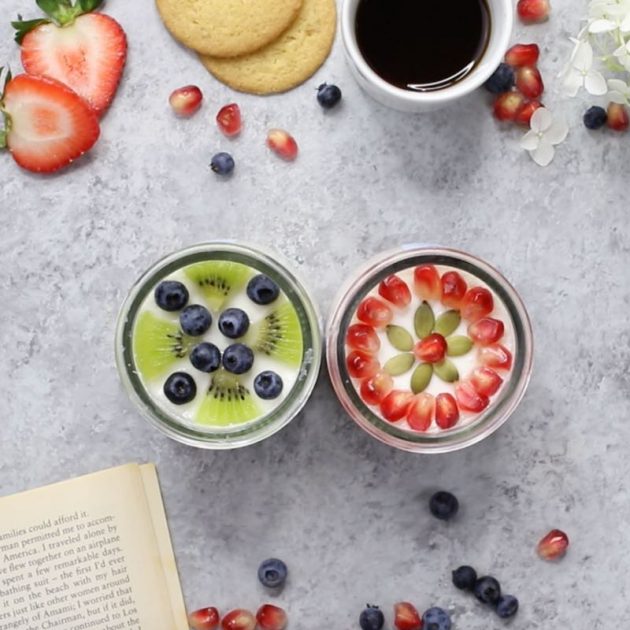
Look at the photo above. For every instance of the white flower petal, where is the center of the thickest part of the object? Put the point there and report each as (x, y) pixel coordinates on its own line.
(557, 132)
(583, 58)
(595, 83)
(617, 97)
(617, 85)
(541, 120)
(530, 141)
(572, 82)
(625, 24)
(543, 154)
(602, 26)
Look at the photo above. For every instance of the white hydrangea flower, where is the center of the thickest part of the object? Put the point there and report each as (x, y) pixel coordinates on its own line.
(609, 15)
(622, 55)
(580, 72)
(544, 134)
(619, 91)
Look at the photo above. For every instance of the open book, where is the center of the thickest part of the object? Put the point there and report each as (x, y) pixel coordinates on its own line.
(91, 553)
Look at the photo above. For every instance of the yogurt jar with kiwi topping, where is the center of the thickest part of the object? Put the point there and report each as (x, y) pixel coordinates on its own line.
(219, 345)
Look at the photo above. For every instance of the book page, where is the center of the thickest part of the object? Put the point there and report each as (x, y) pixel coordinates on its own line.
(84, 554)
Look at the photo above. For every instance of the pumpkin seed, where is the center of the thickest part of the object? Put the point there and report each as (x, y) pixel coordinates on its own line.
(421, 377)
(447, 371)
(399, 364)
(399, 338)
(424, 320)
(447, 323)
(458, 345)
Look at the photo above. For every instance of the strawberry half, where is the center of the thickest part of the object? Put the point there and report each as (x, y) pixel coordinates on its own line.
(84, 50)
(47, 125)
(204, 619)
(522, 55)
(406, 617)
(532, 11)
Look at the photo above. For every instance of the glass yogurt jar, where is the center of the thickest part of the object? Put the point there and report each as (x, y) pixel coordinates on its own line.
(219, 345)
(429, 349)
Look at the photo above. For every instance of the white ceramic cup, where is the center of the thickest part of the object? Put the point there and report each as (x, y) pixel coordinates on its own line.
(501, 22)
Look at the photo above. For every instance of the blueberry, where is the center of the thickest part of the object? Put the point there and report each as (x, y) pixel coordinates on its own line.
(443, 505)
(195, 320)
(501, 81)
(595, 117)
(487, 590)
(262, 290)
(465, 578)
(436, 619)
(171, 295)
(238, 358)
(507, 606)
(272, 573)
(268, 385)
(233, 323)
(180, 388)
(371, 618)
(206, 357)
(328, 95)
(222, 164)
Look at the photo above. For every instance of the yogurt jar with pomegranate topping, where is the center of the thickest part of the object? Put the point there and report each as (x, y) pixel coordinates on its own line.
(429, 349)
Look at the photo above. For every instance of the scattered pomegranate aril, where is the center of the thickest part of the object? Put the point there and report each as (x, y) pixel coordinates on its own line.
(426, 282)
(186, 100)
(363, 337)
(406, 617)
(529, 82)
(375, 388)
(617, 117)
(374, 312)
(486, 381)
(446, 411)
(420, 413)
(486, 331)
(496, 356)
(554, 545)
(431, 349)
(395, 405)
(229, 120)
(270, 617)
(204, 619)
(469, 399)
(533, 11)
(506, 105)
(395, 290)
(477, 303)
(525, 112)
(362, 365)
(282, 144)
(453, 289)
(239, 619)
(522, 55)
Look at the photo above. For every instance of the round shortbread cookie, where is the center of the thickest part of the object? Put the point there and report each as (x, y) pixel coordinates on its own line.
(287, 62)
(227, 28)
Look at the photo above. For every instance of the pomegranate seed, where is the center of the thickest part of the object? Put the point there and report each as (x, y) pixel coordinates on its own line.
(406, 617)
(522, 55)
(468, 398)
(395, 290)
(507, 104)
(486, 381)
(271, 617)
(282, 144)
(477, 303)
(363, 337)
(185, 101)
(420, 412)
(496, 356)
(431, 349)
(529, 82)
(453, 289)
(395, 405)
(617, 117)
(375, 388)
(374, 312)
(531, 11)
(362, 365)
(204, 619)
(446, 411)
(525, 112)
(426, 282)
(229, 120)
(553, 545)
(486, 331)
(239, 619)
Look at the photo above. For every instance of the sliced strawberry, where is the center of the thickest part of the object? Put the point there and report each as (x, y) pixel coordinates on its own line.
(420, 412)
(426, 282)
(525, 112)
(507, 104)
(362, 365)
(271, 617)
(496, 356)
(406, 617)
(522, 55)
(529, 82)
(446, 411)
(395, 405)
(453, 289)
(186, 100)
(375, 388)
(204, 619)
(617, 117)
(374, 312)
(395, 290)
(486, 331)
(49, 125)
(229, 120)
(282, 144)
(363, 337)
(477, 303)
(531, 11)
(486, 381)
(238, 619)
(554, 545)
(431, 349)
(468, 398)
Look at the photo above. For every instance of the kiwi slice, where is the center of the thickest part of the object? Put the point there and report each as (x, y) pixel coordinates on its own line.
(227, 402)
(157, 344)
(217, 279)
(278, 335)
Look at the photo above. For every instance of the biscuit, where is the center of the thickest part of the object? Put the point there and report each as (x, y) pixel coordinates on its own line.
(286, 62)
(227, 28)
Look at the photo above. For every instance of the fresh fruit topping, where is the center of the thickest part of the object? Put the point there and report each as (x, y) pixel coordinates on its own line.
(469, 399)
(362, 365)
(443, 505)
(507, 606)
(399, 338)
(507, 105)
(222, 163)
(270, 617)
(180, 388)
(206, 357)
(447, 323)
(272, 573)
(486, 331)
(238, 619)
(496, 356)
(426, 282)
(522, 55)
(268, 385)
(486, 381)
(501, 80)
(279, 335)
(458, 345)
(477, 303)
(374, 312)
(553, 545)
(363, 337)
(487, 590)
(233, 323)
(238, 358)
(229, 120)
(595, 117)
(464, 578)
(227, 402)
(204, 619)
(375, 388)
(328, 96)
(431, 349)
(446, 370)
(47, 125)
(421, 377)
(171, 296)
(406, 617)
(453, 289)
(529, 82)
(218, 280)
(195, 320)
(436, 619)
(186, 100)
(371, 618)
(262, 290)
(395, 290)
(446, 411)
(282, 144)
(617, 117)
(531, 11)
(420, 412)
(525, 112)
(423, 320)
(395, 405)
(399, 364)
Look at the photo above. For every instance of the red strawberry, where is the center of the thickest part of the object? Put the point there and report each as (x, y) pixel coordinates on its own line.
(48, 125)
(238, 619)
(374, 312)
(407, 617)
(204, 619)
(86, 51)
(362, 365)
(496, 356)
(186, 100)
(395, 290)
(446, 411)
(529, 82)
(453, 289)
(477, 303)
(375, 388)
(363, 337)
(486, 381)
(229, 120)
(395, 405)
(431, 349)
(271, 617)
(507, 104)
(468, 398)
(525, 112)
(617, 117)
(426, 282)
(282, 144)
(420, 413)
(486, 331)
(531, 11)
(553, 545)
(522, 55)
